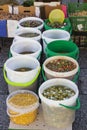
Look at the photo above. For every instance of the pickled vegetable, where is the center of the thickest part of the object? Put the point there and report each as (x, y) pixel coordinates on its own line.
(31, 23)
(23, 69)
(29, 34)
(61, 65)
(58, 93)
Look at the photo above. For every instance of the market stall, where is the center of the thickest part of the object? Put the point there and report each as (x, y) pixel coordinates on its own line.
(21, 115)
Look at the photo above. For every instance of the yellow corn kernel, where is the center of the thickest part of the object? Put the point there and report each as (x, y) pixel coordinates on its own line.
(22, 99)
(24, 119)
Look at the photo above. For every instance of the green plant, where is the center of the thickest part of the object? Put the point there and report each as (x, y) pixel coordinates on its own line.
(28, 3)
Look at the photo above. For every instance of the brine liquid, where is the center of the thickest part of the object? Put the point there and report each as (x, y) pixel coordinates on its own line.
(26, 52)
(23, 69)
(29, 34)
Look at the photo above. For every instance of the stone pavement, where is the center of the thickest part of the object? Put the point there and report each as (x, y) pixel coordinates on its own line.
(81, 115)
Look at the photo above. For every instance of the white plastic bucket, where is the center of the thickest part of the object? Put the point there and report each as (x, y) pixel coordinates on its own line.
(19, 62)
(52, 74)
(23, 115)
(30, 85)
(27, 30)
(26, 46)
(55, 114)
(32, 19)
(54, 34)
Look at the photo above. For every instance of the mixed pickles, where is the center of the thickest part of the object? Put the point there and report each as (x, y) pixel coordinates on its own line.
(61, 65)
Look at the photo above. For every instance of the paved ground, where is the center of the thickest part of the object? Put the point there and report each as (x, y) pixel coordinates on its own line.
(81, 115)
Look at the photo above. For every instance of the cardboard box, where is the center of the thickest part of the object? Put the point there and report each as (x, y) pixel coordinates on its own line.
(4, 8)
(45, 10)
(29, 10)
(48, 9)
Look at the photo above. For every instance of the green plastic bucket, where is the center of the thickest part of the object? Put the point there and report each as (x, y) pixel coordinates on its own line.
(67, 27)
(62, 48)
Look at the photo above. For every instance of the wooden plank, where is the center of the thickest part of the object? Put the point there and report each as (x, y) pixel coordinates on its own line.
(39, 124)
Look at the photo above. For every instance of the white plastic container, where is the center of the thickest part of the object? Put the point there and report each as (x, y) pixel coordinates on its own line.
(54, 114)
(52, 74)
(27, 30)
(26, 46)
(19, 62)
(33, 19)
(54, 34)
(20, 114)
(30, 85)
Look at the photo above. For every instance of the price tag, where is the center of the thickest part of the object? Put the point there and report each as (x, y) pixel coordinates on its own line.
(80, 27)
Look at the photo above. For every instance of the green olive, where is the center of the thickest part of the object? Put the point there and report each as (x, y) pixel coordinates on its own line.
(58, 93)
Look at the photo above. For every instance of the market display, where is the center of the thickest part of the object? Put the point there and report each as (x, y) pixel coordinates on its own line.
(22, 105)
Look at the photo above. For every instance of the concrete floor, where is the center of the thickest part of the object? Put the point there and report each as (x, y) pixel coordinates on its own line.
(81, 115)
